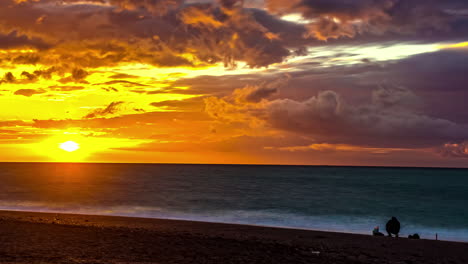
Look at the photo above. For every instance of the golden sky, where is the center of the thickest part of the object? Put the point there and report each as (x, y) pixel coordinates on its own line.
(257, 82)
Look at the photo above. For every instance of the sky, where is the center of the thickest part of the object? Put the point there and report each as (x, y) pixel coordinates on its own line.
(313, 82)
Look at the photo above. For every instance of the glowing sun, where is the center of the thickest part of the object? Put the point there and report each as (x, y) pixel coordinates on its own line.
(69, 146)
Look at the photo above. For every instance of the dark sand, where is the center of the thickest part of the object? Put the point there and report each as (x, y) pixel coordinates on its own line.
(62, 238)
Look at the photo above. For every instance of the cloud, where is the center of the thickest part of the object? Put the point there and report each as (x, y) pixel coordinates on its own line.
(255, 94)
(188, 104)
(390, 119)
(332, 19)
(156, 7)
(110, 89)
(331, 148)
(139, 125)
(440, 78)
(169, 33)
(27, 77)
(122, 76)
(454, 150)
(8, 78)
(329, 118)
(13, 123)
(336, 106)
(127, 83)
(395, 98)
(46, 74)
(13, 40)
(241, 143)
(87, 34)
(243, 102)
(111, 109)
(77, 75)
(63, 88)
(437, 79)
(29, 92)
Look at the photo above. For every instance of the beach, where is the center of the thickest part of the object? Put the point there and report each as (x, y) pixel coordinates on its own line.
(30, 237)
(339, 199)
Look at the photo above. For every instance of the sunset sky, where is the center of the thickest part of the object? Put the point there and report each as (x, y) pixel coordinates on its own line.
(322, 82)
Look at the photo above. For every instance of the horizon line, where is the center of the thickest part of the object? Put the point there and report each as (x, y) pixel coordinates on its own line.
(236, 164)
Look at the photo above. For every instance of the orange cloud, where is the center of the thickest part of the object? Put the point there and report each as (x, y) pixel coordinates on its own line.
(29, 92)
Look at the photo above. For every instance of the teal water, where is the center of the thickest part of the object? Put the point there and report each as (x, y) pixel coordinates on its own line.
(345, 199)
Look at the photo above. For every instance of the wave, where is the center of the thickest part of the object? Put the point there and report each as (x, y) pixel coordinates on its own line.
(270, 218)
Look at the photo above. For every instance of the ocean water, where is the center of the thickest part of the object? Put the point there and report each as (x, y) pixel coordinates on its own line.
(344, 199)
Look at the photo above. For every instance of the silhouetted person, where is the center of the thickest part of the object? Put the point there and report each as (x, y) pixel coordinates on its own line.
(393, 227)
(376, 232)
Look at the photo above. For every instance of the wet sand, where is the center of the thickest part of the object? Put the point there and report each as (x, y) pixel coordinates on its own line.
(64, 238)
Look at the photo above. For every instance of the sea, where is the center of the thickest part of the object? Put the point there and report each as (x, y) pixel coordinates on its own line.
(427, 201)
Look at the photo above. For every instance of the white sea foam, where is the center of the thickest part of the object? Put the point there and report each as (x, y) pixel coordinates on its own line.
(271, 218)
(426, 201)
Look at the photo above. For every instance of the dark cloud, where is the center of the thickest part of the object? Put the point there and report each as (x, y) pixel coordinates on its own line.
(438, 78)
(26, 59)
(90, 35)
(46, 74)
(77, 75)
(110, 35)
(260, 93)
(233, 36)
(156, 7)
(382, 123)
(8, 78)
(122, 76)
(27, 77)
(255, 94)
(13, 40)
(29, 92)
(391, 119)
(437, 71)
(130, 30)
(111, 109)
(110, 89)
(290, 33)
(343, 18)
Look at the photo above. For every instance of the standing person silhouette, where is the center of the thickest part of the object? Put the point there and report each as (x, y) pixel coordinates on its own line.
(393, 227)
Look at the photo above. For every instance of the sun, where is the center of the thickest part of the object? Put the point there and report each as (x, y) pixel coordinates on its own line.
(69, 146)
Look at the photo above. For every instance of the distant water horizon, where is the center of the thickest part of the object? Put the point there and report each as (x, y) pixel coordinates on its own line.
(239, 164)
(330, 198)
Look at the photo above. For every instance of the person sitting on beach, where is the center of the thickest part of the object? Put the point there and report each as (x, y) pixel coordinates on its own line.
(376, 232)
(393, 227)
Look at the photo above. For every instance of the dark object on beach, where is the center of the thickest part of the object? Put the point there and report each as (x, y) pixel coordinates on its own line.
(376, 232)
(393, 227)
(414, 236)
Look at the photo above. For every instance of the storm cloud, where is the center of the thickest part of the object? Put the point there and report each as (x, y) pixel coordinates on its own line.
(343, 18)
(388, 120)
